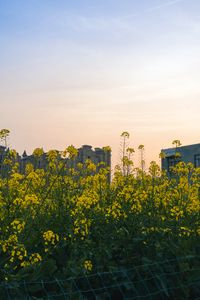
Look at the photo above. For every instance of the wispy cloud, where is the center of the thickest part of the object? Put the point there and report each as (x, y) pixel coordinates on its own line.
(163, 5)
(153, 8)
(118, 22)
(101, 23)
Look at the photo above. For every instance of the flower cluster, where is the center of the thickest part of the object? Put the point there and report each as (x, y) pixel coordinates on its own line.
(88, 265)
(50, 237)
(17, 225)
(61, 216)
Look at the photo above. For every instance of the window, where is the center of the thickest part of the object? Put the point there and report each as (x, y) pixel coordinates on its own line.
(197, 160)
(172, 161)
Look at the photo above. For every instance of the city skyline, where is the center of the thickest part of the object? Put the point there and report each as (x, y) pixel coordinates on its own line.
(83, 72)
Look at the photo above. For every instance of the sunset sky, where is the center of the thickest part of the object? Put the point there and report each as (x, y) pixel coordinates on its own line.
(83, 71)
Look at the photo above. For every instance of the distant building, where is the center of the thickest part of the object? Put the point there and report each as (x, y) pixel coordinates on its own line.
(2, 155)
(86, 152)
(39, 163)
(5, 157)
(97, 156)
(187, 154)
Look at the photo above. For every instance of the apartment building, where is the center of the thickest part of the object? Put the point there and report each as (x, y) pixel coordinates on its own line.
(187, 154)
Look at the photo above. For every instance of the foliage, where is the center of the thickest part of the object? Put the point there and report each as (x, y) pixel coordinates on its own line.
(60, 224)
(4, 133)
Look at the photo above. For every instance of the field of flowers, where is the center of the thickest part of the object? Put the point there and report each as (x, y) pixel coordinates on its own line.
(58, 224)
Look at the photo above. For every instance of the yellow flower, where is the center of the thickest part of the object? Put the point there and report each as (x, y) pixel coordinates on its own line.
(17, 225)
(71, 151)
(35, 258)
(88, 265)
(176, 212)
(50, 237)
(38, 152)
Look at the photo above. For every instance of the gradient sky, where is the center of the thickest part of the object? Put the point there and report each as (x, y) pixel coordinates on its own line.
(82, 72)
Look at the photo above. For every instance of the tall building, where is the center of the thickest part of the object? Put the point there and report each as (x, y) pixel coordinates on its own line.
(187, 154)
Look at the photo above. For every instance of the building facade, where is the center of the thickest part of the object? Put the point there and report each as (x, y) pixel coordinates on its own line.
(187, 154)
(97, 156)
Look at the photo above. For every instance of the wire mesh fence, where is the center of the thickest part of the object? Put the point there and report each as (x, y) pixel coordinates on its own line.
(166, 279)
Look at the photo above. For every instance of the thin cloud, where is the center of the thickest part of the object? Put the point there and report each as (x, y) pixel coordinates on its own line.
(153, 8)
(101, 23)
(169, 3)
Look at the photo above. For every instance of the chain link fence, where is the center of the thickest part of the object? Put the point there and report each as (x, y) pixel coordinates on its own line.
(167, 279)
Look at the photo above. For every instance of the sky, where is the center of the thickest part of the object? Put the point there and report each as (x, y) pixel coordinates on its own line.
(83, 71)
